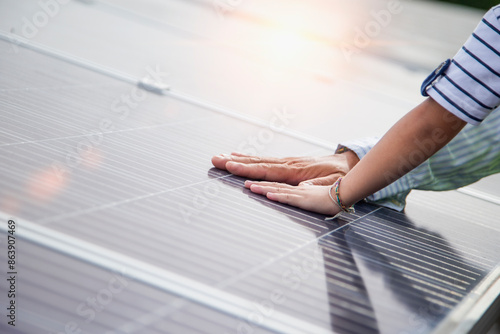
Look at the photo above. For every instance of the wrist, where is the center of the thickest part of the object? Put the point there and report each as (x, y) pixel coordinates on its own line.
(346, 196)
(351, 158)
(334, 193)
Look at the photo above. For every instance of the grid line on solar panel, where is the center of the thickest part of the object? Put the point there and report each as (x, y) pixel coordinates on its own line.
(50, 280)
(430, 241)
(484, 218)
(269, 248)
(137, 275)
(81, 231)
(407, 251)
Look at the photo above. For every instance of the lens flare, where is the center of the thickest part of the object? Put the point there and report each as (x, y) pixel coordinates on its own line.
(286, 47)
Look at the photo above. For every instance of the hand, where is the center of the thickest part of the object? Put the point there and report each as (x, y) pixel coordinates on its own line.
(294, 171)
(312, 198)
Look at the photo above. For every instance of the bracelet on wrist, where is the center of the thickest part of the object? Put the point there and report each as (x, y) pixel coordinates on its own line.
(338, 201)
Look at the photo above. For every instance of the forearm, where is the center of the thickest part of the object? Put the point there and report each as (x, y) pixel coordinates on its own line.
(470, 156)
(473, 154)
(412, 140)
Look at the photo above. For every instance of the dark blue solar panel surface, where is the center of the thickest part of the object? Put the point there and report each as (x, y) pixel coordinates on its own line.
(123, 226)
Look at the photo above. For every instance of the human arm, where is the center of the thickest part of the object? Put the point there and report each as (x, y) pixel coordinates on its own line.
(473, 154)
(398, 152)
(411, 141)
(461, 162)
(468, 87)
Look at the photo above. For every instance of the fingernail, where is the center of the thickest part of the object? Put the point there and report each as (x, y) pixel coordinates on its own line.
(225, 155)
(256, 188)
(307, 183)
(248, 183)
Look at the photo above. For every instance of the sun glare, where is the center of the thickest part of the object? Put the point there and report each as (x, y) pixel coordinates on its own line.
(286, 47)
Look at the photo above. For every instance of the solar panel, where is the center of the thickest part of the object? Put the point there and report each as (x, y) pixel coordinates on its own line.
(123, 226)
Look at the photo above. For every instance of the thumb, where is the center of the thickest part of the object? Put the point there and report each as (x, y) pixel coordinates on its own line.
(321, 181)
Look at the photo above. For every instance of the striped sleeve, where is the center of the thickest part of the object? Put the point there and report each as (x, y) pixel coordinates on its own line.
(470, 86)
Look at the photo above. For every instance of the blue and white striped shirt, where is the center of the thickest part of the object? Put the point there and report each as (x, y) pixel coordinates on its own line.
(469, 87)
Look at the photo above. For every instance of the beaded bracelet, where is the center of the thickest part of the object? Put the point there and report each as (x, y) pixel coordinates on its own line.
(338, 201)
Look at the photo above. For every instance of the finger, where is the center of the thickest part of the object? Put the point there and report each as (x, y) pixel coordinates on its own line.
(290, 199)
(248, 183)
(264, 171)
(219, 161)
(273, 160)
(322, 181)
(314, 199)
(261, 189)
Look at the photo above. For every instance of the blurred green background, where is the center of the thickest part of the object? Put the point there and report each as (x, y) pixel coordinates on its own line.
(483, 4)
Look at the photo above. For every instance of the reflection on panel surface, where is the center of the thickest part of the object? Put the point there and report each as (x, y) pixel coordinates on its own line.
(123, 226)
